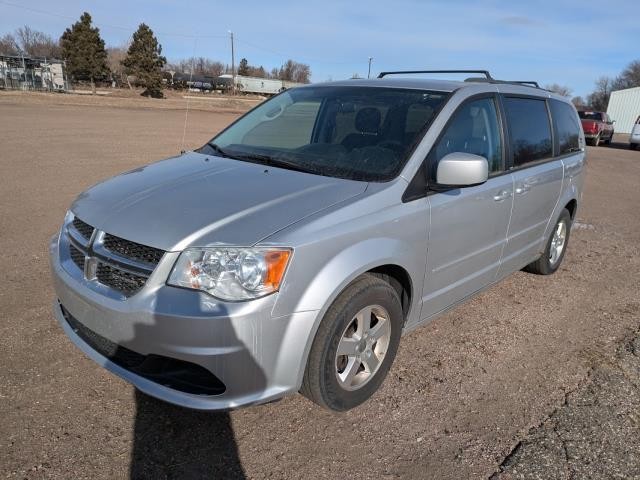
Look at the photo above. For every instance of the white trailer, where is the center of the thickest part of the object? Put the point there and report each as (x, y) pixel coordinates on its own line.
(263, 86)
(624, 108)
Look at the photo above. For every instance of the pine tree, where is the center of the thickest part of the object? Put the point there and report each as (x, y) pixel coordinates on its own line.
(84, 51)
(145, 62)
(243, 68)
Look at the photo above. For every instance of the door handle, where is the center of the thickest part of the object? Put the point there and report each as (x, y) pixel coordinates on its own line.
(502, 195)
(522, 189)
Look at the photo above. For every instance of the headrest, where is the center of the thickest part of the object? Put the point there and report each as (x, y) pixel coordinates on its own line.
(368, 120)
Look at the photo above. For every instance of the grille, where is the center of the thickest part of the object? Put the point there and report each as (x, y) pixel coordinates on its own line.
(135, 251)
(120, 280)
(77, 256)
(83, 228)
(173, 373)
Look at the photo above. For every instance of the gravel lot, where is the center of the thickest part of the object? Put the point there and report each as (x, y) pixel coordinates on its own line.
(539, 377)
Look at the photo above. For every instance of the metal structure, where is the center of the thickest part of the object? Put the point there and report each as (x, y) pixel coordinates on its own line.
(624, 108)
(487, 76)
(32, 73)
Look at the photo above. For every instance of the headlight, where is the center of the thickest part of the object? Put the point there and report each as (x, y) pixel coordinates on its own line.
(231, 273)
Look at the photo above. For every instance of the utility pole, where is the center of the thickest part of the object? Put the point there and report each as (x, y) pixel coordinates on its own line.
(233, 66)
(369, 73)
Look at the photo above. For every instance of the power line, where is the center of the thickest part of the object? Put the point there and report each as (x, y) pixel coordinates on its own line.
(106, 25)
(185, 35)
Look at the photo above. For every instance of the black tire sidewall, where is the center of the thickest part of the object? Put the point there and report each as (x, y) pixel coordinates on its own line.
(381, 293)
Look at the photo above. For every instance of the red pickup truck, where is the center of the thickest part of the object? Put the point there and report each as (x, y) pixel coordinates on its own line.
(597, 126)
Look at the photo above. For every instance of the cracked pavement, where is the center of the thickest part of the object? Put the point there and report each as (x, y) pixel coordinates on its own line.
(594, 434)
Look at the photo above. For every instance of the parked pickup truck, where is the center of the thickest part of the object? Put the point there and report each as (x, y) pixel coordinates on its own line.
(597, 126)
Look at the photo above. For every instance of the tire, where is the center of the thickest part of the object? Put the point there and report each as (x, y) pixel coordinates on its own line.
(633, 146)
(608, 140)
(326, 379)
(546, 264)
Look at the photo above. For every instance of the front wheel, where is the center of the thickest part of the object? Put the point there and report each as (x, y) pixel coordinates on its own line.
(555, 249)
(355, 345)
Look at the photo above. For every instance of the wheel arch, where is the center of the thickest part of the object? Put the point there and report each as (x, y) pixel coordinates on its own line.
(385, 257)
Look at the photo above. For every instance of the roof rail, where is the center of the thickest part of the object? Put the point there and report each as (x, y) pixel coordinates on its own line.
(412, 72)
(530, 83)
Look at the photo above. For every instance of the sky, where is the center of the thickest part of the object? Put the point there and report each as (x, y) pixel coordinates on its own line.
(552, 41)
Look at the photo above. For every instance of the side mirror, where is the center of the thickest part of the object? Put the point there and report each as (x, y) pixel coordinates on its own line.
(459, 169)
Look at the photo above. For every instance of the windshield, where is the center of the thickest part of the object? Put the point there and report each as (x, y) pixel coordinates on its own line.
(360, 133)
(591, 115)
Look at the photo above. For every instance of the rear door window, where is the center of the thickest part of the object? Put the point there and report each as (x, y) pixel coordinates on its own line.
(530, 131)
(567, 127)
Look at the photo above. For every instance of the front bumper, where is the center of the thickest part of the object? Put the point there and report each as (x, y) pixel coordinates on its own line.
(257, 357)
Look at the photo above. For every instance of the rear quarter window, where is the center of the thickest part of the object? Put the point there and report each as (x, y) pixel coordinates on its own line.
(529, 129)
(567, 126)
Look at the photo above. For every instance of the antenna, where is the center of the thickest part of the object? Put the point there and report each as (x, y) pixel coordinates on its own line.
(186, 113)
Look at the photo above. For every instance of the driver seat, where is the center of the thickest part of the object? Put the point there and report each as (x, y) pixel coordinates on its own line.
(367, 124)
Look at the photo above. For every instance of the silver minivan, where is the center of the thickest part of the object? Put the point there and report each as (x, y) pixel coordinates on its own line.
(292, 251)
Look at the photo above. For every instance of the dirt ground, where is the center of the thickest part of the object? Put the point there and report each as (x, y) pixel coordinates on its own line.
(536, 378)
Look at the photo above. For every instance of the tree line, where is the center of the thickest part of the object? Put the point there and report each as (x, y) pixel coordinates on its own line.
(140, 63)
(598, 99)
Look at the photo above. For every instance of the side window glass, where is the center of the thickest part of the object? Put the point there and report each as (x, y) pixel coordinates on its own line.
(475, 129)
(530, 130)
(567, 127)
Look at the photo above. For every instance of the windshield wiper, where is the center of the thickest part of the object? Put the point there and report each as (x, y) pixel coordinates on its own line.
(274, 162)
(219, 151)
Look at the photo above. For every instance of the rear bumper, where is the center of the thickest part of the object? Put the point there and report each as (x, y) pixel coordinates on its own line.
(257, 357)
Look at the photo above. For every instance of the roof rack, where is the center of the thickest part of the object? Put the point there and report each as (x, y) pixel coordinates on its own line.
(487, 76)
(529, 83)
(412, 72)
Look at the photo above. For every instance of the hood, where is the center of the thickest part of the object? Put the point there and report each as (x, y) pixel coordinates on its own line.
(198, 200)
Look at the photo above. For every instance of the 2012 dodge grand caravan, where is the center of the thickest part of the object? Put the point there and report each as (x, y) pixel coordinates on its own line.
(292, 251)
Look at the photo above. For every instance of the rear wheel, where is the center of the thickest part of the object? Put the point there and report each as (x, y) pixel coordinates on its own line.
(553, 254)
(633, 146)
(355, 345)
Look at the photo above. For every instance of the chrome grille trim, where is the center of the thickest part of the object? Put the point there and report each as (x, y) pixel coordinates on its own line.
(104, 268)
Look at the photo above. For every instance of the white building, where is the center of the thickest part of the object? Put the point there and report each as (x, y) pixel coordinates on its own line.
(624, 108)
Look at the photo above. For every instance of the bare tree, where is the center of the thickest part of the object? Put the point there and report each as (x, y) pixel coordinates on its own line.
(295, 72)
(559, 89)
(629, 78)
(599, 99)
(199, 65)
(579, 102)
(8, 45)
(115, 56)
(35, 43)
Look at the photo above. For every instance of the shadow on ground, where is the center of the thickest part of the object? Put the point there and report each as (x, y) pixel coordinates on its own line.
(175, 443)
